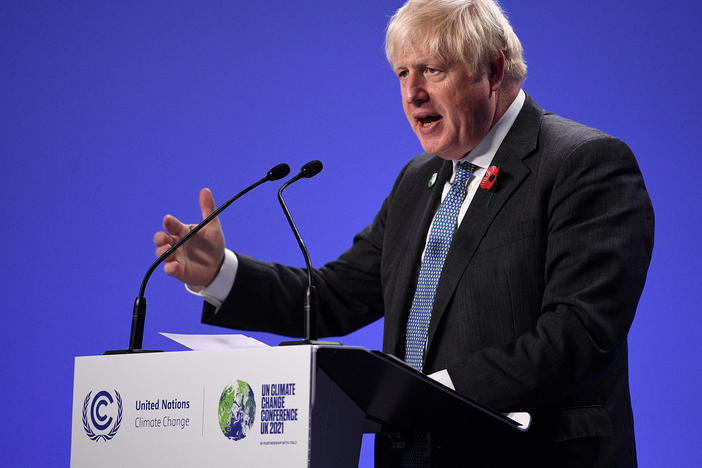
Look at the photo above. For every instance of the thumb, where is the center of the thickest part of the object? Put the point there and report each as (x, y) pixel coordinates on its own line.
(207, 203)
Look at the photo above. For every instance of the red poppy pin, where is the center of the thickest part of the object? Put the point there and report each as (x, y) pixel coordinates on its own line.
(489, 181)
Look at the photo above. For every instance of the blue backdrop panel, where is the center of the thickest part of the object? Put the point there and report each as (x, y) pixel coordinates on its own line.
(116, 113)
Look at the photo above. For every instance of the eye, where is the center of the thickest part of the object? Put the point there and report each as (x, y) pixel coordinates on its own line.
(403, 74)
(432, 71)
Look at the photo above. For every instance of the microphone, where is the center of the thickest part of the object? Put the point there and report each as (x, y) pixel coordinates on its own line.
(139, 314)
(310, 169)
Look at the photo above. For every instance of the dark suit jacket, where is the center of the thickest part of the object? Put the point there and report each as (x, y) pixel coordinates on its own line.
(536, 296)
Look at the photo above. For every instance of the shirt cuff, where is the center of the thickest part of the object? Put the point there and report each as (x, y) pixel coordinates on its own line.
(219, 288)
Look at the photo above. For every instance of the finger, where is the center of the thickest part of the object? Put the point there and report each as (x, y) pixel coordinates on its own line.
(207, 203)
(162, 238)
(174, 269)
(162, 249)
(174, 226)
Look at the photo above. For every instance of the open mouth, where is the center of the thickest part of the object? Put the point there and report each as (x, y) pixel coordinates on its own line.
(427, 120)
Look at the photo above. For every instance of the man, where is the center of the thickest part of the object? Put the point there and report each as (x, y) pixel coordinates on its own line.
(523, 293)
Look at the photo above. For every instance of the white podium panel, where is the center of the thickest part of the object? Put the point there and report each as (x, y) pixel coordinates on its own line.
(246, 407)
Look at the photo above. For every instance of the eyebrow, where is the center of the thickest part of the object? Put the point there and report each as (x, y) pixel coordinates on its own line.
(424, 63)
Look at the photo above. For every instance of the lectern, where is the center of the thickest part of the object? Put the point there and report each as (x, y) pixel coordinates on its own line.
(298, 406)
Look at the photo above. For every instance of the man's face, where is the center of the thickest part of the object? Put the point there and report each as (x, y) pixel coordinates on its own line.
(448, 108)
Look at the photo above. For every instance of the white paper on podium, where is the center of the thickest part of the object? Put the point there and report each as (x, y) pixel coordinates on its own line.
(521, 418)
(201, 342)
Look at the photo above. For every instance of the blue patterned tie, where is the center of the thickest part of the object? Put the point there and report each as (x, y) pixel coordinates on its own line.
(440, 235)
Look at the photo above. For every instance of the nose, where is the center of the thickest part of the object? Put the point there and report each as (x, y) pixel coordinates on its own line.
(415, 92)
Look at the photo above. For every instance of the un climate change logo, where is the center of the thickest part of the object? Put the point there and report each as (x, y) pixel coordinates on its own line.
(237, 410)
(102, 413)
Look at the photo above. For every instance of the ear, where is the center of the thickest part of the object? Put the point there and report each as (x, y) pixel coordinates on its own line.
(496, 72)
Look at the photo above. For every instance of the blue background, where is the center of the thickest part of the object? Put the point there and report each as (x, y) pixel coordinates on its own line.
(115, 113)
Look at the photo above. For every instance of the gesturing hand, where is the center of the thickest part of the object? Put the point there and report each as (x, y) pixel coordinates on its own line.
(197, 262)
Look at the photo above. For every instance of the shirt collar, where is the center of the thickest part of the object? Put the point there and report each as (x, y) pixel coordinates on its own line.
(482, 154)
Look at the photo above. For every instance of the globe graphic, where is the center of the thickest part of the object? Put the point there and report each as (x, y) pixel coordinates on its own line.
(237, 410)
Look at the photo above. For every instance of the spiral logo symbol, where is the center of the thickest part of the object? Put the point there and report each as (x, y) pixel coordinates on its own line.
(102, 415)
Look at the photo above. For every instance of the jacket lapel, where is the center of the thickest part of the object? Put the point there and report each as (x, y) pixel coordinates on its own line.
(519, 142)
(422, 205)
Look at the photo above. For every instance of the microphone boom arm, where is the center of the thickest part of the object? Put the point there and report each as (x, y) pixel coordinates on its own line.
(310, 293)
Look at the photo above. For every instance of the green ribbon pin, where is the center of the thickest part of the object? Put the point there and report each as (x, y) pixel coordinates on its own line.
(432, 180)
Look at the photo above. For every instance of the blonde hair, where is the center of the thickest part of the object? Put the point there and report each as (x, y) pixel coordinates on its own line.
(470, 31)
